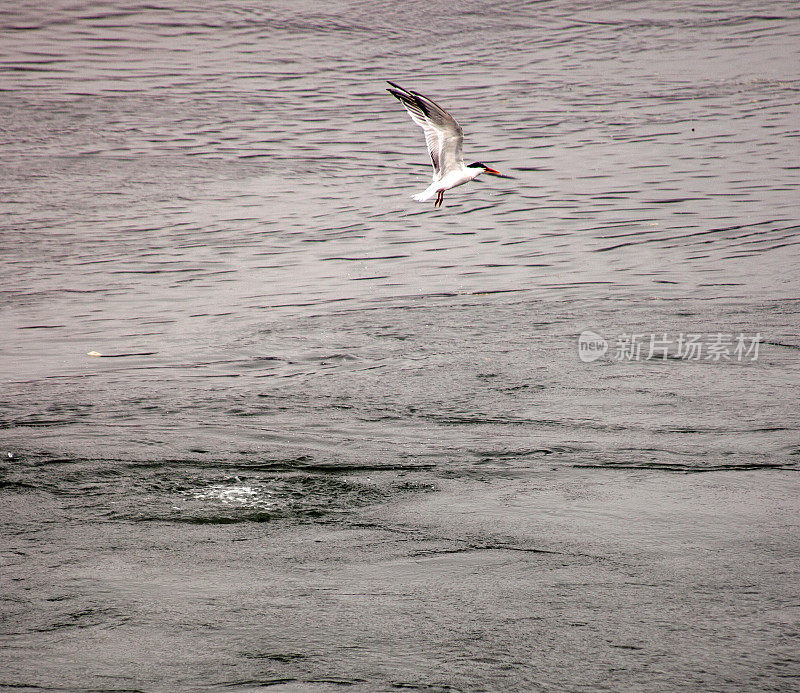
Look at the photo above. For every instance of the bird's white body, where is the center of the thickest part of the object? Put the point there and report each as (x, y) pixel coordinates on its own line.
(443, 137)
(452, 179)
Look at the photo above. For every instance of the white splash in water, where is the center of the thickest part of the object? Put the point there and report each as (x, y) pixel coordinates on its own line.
(237, 494)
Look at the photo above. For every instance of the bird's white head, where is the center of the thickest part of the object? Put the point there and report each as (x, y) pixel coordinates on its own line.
(477, 168)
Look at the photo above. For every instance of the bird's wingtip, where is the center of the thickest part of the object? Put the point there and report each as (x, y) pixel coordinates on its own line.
(398, 92)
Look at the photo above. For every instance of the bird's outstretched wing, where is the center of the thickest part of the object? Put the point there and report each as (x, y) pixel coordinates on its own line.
(443, 134)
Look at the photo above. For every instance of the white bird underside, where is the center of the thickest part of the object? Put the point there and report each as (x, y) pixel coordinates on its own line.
(444, 138)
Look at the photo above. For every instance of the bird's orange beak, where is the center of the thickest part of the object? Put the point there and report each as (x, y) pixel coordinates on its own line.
(493, 172)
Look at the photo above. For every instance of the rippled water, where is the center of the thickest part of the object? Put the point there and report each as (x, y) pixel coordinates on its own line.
(215, 201)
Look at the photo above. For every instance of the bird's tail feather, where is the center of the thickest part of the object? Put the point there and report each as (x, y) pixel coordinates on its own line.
(425, 195)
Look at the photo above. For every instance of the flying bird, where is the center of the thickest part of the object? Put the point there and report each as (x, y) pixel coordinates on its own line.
(444, 138)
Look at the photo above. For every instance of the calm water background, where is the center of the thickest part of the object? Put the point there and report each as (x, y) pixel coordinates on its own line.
(217, 200)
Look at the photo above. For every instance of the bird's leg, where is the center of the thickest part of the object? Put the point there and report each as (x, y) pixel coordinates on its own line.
(439, 198)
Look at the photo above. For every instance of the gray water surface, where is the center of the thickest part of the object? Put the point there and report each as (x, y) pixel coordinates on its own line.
(221, 306)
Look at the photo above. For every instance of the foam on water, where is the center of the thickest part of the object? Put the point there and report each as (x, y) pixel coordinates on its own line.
(247, 496)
